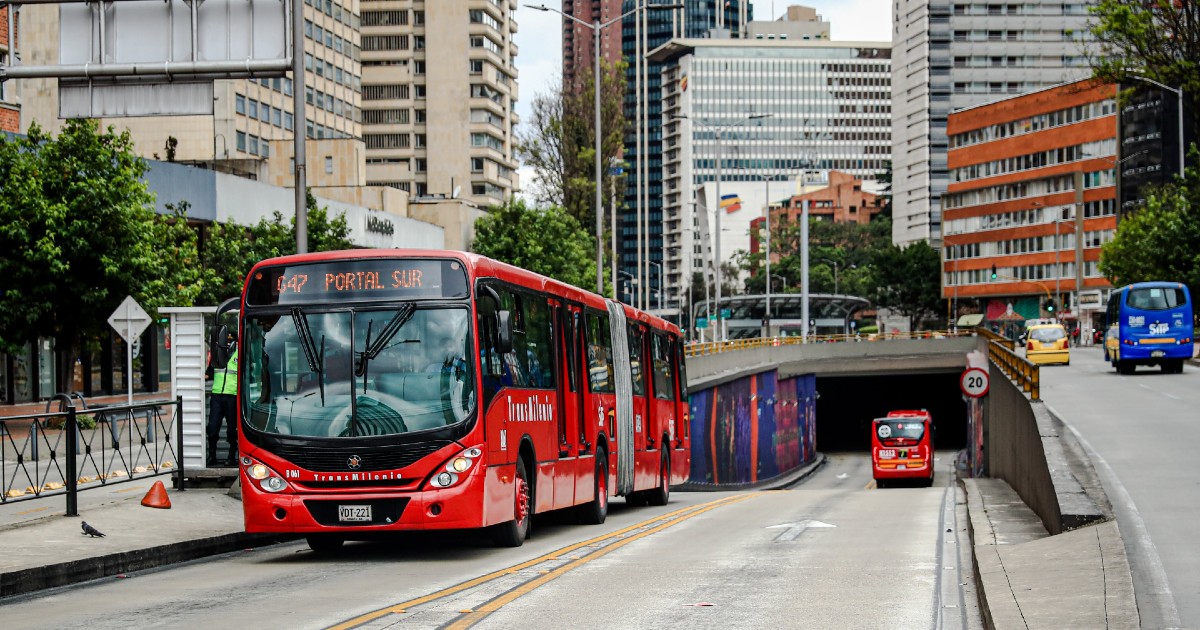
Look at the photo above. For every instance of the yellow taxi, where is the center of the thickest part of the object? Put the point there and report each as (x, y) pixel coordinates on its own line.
(1048, 343)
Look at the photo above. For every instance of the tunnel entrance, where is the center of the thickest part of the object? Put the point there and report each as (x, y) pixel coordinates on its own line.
(847, 404)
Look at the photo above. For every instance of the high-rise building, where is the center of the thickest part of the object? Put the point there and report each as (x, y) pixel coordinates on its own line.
(439, 97)
(1149, 135)
(248, 114)
(640, 220)
(10, 111)
(1032, 198)
(948, 56)
(817, 105)
(578, 41)
(799, 22)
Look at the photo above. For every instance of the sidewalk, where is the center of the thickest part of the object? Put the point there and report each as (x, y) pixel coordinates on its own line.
(1029, 579)
(47, 551)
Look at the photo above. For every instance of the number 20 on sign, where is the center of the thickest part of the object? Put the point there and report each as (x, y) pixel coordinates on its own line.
(974, 382)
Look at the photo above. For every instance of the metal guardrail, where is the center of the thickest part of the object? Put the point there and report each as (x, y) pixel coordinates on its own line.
(992, 336)
(65, 452)
(716, 347)
(1017, 368)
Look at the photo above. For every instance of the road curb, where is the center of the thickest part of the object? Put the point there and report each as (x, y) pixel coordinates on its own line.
(34, 579)
(773, 483)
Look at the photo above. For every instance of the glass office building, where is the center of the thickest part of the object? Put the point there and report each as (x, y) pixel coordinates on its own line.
(827, 106)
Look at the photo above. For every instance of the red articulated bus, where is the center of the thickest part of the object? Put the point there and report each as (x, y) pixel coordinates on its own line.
(902, 447)
(393, 390)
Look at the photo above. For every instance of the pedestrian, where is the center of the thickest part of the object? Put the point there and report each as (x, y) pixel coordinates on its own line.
(1075, 336)
(223, 365)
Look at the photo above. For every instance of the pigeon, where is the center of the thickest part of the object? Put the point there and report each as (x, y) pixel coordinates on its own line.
(88, 530)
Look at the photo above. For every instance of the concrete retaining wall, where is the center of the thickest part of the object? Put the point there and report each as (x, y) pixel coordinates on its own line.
(1024, 448)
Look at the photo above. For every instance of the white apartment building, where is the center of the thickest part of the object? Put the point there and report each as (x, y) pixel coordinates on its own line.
(948, 56)
(439, 97)
(821, 105)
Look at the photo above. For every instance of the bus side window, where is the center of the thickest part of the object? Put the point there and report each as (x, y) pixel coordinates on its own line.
(599, 354)
(664, 385)
(636, 360)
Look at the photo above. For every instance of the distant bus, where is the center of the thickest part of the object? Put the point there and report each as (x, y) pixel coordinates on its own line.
(902, 447)
(392, 390)
(1149, 323)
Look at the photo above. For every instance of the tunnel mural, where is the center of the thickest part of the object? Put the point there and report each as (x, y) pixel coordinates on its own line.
(752, 429)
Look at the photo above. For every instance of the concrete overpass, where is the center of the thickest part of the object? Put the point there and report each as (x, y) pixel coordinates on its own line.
(751, 396)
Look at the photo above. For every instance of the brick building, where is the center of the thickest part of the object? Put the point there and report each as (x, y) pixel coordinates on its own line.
(10, 112)
(1028, 174)
(842, 201)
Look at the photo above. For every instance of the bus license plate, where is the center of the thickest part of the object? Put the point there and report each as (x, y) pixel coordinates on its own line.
(887, 453)
(354, 513)
(1158, 353)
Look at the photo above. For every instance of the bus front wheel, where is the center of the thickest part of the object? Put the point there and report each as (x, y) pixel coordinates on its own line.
(513, 533)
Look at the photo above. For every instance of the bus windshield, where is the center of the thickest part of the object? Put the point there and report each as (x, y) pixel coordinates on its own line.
(357, 372)
(1156, 298)
(900, 428)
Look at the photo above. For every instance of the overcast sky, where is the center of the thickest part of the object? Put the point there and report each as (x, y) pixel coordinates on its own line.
(539, 39)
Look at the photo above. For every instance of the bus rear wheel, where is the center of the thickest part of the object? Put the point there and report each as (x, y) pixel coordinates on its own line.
(595, 511)
(513, 533)
(1125, 367)
(662, 494)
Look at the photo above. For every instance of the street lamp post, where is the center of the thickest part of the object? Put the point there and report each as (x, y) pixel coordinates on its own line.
(632, 283)
(660, 285)
(1179, 109)
(720, 131)
(596, 27)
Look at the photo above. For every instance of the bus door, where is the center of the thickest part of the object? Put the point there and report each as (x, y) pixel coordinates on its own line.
(569, 375)
(663, 412)
(641, 408)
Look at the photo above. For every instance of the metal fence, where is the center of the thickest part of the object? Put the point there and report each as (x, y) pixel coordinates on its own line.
(76, 448)
(715, 347)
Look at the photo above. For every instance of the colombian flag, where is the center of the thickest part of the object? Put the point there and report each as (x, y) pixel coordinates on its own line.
(731, 203)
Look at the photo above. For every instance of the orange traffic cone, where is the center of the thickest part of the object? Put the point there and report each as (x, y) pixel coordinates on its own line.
(157, 497)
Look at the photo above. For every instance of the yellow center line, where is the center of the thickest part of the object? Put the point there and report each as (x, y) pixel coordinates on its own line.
(553, 555)
(870, 485)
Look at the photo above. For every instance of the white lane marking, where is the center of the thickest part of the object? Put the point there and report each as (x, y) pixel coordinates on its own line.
(1145, 387)
(844, 476)
(1160, 589)
(1171, 396)
(795, 529)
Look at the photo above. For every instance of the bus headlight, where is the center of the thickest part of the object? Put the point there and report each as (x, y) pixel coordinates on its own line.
(258, 471)
(457, 467)
(273, 484)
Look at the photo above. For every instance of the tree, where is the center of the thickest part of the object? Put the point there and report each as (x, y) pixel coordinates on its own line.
(1159, 40)
(850, 245)
(547, 241)
(559, 142)
(906, 280)
(1159, 242)
(231, 250)
(79, 233)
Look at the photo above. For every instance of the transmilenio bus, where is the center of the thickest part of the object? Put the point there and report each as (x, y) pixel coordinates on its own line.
(391, 390)
(1149, 323)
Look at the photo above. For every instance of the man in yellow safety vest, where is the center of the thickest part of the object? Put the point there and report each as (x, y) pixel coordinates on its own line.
(223, 402)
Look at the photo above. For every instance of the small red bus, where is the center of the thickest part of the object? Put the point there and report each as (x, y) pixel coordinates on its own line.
(391, 390)
(902, 447)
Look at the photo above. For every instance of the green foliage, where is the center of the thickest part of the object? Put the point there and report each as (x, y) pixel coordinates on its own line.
(1159, 40)
(1161, 241)
(231, 250)
(79, 233)
(849, 245)
(547, 241)
(906, 280)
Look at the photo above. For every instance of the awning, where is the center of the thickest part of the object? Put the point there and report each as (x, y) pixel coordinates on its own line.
(970, 321)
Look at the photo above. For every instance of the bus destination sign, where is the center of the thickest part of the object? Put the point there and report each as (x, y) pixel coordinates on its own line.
(358, 281)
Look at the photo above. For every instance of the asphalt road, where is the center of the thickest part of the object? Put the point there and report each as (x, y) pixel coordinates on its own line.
(831, 552)
(1140, 431)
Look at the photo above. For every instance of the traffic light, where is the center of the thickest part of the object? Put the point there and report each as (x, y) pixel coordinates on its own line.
(993, 272)
(1049, 306)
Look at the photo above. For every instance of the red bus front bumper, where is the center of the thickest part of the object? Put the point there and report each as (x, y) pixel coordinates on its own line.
(901, 468)
(304, 512)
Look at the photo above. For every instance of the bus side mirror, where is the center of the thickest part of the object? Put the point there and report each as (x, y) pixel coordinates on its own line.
(504, 335)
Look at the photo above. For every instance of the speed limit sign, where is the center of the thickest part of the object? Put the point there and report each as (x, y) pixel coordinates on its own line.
(974, 382)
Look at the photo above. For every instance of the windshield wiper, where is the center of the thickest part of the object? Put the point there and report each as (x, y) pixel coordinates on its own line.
(306, 340)
(375, 346)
